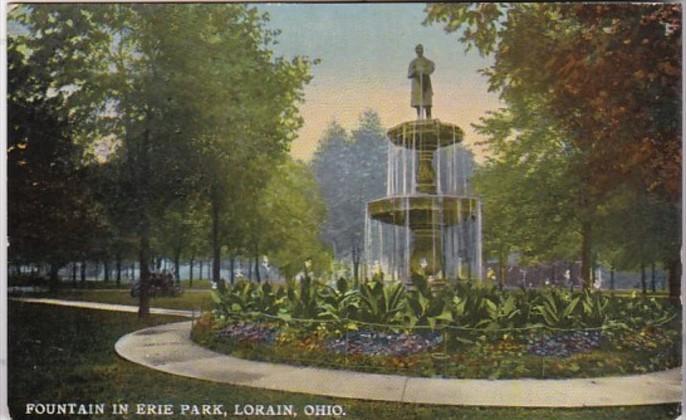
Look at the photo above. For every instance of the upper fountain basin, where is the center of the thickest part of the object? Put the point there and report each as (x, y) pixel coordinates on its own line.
(425, 134)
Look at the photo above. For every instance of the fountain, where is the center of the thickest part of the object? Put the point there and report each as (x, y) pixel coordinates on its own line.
(429, 223)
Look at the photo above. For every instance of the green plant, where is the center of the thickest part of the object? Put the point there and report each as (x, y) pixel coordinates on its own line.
(558, 308)
(503, 313)
(246, 297)
(469, 306)
(595, 309)
(302, 299)
(340, 304)
(381, 304)
(425, 309)
(463, 305)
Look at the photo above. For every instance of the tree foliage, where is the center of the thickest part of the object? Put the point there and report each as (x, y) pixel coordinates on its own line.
(290, 213)
(605, 71)
(350, 169)
(190, 97)
(51, 216)
(605, 78)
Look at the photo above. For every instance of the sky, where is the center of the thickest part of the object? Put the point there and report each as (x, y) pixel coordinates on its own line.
(365, 50)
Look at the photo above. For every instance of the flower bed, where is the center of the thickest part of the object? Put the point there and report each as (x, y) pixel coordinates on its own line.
(372, 343)
(565, 344)
(465, 332)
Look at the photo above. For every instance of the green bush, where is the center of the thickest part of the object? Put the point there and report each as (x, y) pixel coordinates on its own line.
(462, 307)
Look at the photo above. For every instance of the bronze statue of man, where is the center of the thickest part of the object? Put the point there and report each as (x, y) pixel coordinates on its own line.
(419, 71)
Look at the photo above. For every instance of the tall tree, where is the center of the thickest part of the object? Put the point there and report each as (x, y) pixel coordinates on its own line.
(351, 170)
(606, 73)
(175, 86)
(252, 125)
(533, 203)
(289, 218)
(51, 216)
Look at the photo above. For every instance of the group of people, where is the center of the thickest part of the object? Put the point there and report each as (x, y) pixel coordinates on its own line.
(160, 283)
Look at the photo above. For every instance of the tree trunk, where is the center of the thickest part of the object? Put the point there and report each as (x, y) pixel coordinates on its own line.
(83, 272)
(144, 283)
(232, 275)
(190, 274)
(257, 267)
(612, 278)
(501, 269)
(572, 279)
(144, 251)
(177, 267)
(586, 260)
(674, 279)
(644, 289)
(356, 263)
(73, 275)
(106, 267)
(216, 245)
(118, 263)
(200, 264)
(653, 286)
(54, 279)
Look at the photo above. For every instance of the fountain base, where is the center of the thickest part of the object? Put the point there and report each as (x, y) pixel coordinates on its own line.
(427, 219)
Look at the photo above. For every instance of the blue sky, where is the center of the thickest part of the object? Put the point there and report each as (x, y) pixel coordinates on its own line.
(364, 51)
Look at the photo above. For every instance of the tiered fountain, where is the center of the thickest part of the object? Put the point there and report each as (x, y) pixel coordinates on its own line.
(428, 224)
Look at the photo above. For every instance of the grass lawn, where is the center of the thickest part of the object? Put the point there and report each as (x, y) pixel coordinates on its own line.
(62, 354)
(197, 284)
(196, 299)
(630, 292)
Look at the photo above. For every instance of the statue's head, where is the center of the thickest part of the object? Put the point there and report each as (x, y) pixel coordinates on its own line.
(419, 49)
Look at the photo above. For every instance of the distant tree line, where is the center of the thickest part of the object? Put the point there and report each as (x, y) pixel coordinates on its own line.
(350, 168)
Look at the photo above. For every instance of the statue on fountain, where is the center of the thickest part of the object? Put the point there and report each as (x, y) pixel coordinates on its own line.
(419, 71)
(428, 225)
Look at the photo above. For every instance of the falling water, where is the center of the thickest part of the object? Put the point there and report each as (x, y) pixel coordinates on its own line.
(454, 214)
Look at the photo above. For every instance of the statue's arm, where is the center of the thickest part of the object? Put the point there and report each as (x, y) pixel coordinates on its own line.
(432, 67)
(411, 72)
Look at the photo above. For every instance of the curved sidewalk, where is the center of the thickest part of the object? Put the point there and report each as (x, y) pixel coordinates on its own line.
(168, 348)
(112, 307)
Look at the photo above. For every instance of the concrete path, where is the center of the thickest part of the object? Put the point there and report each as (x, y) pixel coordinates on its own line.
(115, 307)
(168, 348)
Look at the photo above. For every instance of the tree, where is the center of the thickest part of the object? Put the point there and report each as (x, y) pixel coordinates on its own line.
(637, 230)
(290, 214)
(242, 145)
(351, 170)
(167, 84)
(608, 76)
(530, 189)
(51, 217)
(173, 234)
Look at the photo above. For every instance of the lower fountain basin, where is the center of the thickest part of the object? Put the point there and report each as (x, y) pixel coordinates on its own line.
(426, 210)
